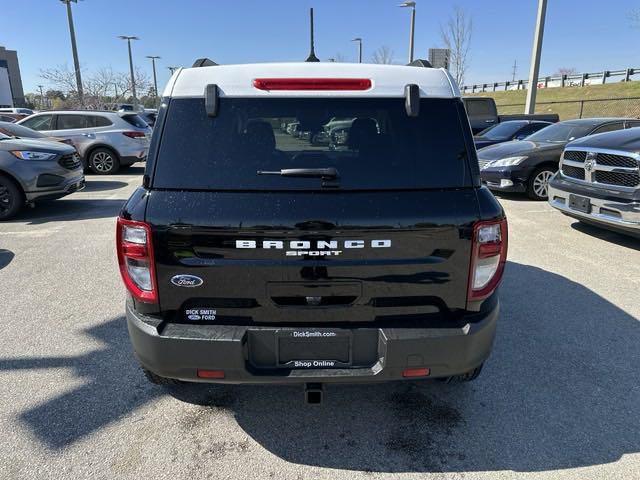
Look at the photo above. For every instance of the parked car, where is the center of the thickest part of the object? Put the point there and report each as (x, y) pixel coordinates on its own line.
(483, 113)
(506, 131)
(17, 110)
(105, 140)
(34, 170)
(12, 117)
(149, 115)
(250, 258)
(527, 165)
(20, 131)
(599, 181)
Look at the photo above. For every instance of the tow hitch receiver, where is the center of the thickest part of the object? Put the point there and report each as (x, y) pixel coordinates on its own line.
(313, 393)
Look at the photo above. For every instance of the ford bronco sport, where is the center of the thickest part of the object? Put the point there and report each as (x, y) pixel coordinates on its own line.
(255, 256)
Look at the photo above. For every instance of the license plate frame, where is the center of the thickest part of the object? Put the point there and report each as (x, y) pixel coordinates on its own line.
(579, 203)
(306, 348)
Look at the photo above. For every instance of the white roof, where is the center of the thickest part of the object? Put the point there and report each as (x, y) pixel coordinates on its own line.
(237, 80)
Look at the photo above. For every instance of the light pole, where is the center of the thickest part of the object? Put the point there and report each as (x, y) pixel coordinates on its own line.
(172, 69)
(74, 49)
(359, 40)
(155, 80)
(412, 5)
(41, 97)
(530, 106)
(133, 80)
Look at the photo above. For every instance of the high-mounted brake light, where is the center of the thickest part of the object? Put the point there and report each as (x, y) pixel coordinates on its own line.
(488, 257)
(135, 258)
(312, 83)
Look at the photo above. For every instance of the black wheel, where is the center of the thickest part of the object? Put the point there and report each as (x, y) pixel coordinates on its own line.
(103, 162)
(464, 377)
(538, 183)
(158, 380)
(11, 198)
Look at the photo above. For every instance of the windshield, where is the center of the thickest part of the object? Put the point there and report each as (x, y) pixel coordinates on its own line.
(372, 143)
(15, 130)
(502, 131)
(560, 132)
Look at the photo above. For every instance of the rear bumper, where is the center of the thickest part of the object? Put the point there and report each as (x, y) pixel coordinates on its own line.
(617, 214)
(180, 350)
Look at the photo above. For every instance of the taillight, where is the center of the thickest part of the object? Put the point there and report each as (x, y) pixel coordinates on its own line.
(488, 257)
(133, 134)
(135, 257)
(312, 83)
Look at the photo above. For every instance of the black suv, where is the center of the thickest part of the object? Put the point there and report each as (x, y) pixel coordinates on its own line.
(253, 256)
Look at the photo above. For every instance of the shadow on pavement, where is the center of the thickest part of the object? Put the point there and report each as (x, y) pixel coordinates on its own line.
(560, 391)
(114, 387)
(68, 209)
(5, 257)
(516, 196)
(103, 185)
(607, 235)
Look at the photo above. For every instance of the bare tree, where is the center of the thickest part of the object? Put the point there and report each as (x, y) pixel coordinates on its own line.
(456, 36)
(634, 18)
(562, 71)
(61, 77)
(382, 55)
(101, 87)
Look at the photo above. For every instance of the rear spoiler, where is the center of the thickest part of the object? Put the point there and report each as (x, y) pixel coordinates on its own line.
(203, 62)
(420, 62)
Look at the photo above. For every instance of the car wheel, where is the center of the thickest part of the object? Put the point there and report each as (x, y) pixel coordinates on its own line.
(538, 183)
(464, 377)
(158, 380)
(103, 162)
(11, 199)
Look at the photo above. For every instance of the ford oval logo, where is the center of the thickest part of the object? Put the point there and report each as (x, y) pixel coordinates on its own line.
(187, 281)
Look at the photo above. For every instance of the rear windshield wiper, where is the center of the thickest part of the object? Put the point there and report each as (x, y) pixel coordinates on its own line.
(323, 173)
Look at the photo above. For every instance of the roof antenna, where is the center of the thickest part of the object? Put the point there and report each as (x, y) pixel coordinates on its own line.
(312, 55)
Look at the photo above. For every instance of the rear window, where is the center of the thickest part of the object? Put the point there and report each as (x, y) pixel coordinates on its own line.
(372, 143)
(135, 120)
(479, 107)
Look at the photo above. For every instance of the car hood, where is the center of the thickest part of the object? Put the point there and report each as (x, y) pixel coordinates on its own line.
(42, 145)
(624, 140)
(516, 148)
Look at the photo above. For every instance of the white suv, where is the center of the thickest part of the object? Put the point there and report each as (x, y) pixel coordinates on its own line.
(105, 141)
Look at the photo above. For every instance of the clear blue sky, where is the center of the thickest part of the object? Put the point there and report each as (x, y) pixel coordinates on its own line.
(589, 35)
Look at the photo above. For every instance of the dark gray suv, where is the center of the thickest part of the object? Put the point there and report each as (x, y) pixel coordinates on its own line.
(34, 170)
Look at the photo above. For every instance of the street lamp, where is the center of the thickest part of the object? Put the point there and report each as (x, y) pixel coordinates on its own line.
(412, 5)
(359, 40)
(530, 106)
(133, 80)
(74, 49)
(155, 80)
(172, 69)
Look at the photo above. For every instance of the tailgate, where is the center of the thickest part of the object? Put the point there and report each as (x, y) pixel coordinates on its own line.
(311, 257)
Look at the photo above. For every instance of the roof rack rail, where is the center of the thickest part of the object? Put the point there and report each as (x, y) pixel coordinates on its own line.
(203, 62)
(420, 62)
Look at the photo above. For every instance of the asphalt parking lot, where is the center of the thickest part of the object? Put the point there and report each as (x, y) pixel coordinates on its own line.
(559, 398)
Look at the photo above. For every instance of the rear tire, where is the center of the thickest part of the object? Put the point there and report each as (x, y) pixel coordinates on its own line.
(469, 376)
(103, 161)
(538, 183)
(11, 198)
(158, 380)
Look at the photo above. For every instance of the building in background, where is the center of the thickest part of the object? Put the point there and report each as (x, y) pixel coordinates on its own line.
(11, 93)
(439, 57)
